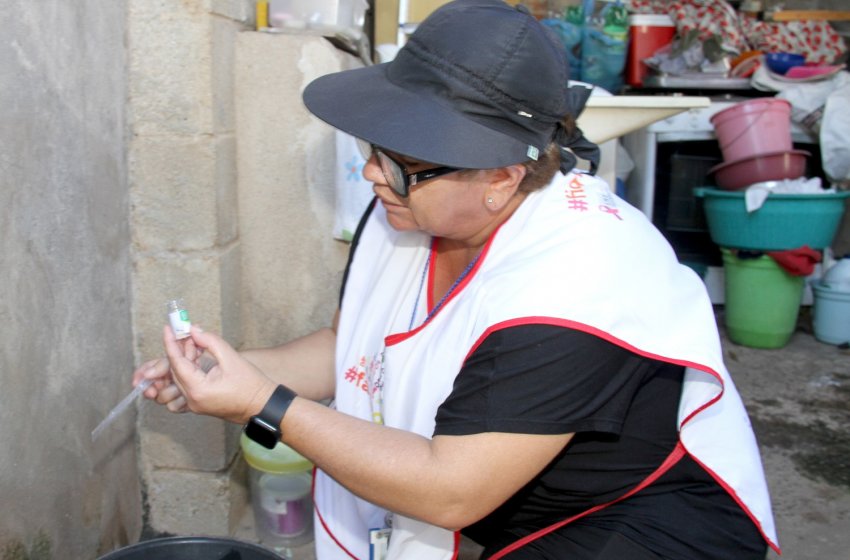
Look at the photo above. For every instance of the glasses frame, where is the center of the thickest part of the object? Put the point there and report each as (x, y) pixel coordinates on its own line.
(398, 178)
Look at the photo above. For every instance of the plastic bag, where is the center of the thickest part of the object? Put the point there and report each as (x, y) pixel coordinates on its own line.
(835, 135)
(570, 35)
(821, 108)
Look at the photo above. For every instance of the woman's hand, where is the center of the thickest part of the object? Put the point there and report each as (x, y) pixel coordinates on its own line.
(162, 389)
(233, 389)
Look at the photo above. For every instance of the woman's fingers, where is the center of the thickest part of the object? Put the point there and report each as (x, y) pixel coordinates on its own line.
(230, 390)
(183, 366)
(178, 405)
(168, 394)
(157, 370)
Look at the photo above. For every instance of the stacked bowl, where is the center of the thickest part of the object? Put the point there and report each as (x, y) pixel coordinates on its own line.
(762, 298)
(755, 140)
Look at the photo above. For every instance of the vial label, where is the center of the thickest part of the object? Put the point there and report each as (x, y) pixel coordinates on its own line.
(180, 323)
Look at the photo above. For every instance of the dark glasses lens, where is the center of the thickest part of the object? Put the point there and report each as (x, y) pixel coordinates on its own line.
(392, 170)
(393, 173)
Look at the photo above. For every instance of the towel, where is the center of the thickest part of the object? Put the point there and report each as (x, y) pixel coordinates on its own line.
(353, 192)
(797, 262)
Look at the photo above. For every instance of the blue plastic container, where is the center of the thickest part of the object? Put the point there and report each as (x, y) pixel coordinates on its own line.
(781, 62)
(784, 221)
(831, 314)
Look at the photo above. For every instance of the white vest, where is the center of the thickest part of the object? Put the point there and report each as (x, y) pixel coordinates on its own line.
(572, 255)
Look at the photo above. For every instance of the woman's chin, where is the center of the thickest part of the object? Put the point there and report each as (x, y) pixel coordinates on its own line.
(399, 217)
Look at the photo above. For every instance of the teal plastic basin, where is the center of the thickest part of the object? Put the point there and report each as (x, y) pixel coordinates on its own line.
(784, 221)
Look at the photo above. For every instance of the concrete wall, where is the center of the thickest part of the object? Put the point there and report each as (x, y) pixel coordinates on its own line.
(182, 179)
(232, 200)
(66, 341)
(291, 267)
(120, 188)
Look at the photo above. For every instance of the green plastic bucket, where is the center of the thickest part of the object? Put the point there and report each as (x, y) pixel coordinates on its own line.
(762, 301)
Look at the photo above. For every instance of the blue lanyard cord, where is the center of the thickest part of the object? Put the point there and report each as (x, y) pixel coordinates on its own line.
(451, 289)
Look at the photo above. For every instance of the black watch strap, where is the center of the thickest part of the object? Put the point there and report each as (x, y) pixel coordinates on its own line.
(264, 428)
(277, 404)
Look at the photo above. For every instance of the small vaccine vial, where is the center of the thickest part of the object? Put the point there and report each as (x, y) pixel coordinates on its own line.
(178, 317)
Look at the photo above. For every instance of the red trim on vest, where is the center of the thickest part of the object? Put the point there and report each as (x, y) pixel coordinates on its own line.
(322, 519)
(734, 496)
(614, 340)
(575, 325)
(401, 337)
(432, 267)
(674, 457)
(340, 545)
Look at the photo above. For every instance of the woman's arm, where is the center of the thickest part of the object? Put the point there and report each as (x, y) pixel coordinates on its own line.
(449, 481)
(305, 365)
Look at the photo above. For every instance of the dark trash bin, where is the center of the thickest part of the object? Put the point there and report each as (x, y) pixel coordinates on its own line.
(192, 548)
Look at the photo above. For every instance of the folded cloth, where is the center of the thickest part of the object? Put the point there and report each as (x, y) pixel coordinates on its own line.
(757, 193)
(798, 262)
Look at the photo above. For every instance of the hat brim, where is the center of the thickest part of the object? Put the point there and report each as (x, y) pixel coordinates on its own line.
(364, 103)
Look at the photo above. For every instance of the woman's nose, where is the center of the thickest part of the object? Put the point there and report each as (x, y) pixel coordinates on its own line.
(372, 170)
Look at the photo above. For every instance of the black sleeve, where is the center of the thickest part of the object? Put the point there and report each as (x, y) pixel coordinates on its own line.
(354, 242)
(543, 379)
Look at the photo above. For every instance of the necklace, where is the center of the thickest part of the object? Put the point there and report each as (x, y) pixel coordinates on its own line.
(443, 299)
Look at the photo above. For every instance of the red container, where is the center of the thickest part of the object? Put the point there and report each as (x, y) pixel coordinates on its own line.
(647, 34)
(776, 166)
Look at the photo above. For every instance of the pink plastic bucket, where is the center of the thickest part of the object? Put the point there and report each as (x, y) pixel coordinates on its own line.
(753, 127)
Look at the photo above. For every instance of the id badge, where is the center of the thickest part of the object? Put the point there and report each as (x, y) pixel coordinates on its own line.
(379, 543)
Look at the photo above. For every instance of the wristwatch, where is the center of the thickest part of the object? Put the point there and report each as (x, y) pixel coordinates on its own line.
(264, 428)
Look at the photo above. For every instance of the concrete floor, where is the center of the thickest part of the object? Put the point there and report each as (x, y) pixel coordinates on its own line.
(799, 401)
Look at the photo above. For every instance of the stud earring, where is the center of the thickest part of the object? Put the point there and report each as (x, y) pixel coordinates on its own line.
(489, 200)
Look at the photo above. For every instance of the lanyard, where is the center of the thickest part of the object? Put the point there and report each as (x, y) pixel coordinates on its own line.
(451, 289)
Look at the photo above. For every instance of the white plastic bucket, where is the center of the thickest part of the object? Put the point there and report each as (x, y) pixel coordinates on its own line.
(831, 314)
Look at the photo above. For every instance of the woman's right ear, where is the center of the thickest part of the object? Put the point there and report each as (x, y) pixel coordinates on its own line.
(504, 183)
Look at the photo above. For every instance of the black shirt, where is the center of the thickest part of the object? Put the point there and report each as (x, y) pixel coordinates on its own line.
(622, 407)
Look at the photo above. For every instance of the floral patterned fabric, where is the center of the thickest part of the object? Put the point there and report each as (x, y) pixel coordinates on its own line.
(817, 40)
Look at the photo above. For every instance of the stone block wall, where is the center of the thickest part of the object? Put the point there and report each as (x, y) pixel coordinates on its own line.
(232, 201)
(184, 231)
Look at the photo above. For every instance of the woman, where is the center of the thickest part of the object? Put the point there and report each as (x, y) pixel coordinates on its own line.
(517, 355)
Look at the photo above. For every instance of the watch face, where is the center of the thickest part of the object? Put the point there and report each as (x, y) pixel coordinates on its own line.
(262, 432)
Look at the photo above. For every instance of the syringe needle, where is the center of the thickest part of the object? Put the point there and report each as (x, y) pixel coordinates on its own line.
(121, 407)
(205, 363)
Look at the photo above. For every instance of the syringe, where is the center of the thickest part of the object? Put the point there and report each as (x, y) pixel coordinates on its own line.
(205, 363)
(178, 317)
(121, 407)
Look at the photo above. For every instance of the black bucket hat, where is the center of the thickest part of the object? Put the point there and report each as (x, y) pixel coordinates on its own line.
(480, 84)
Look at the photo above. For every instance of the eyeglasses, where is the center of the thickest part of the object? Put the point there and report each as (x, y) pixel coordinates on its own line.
(395, 172)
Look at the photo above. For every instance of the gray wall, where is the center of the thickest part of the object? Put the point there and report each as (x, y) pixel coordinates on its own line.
(66, 336)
